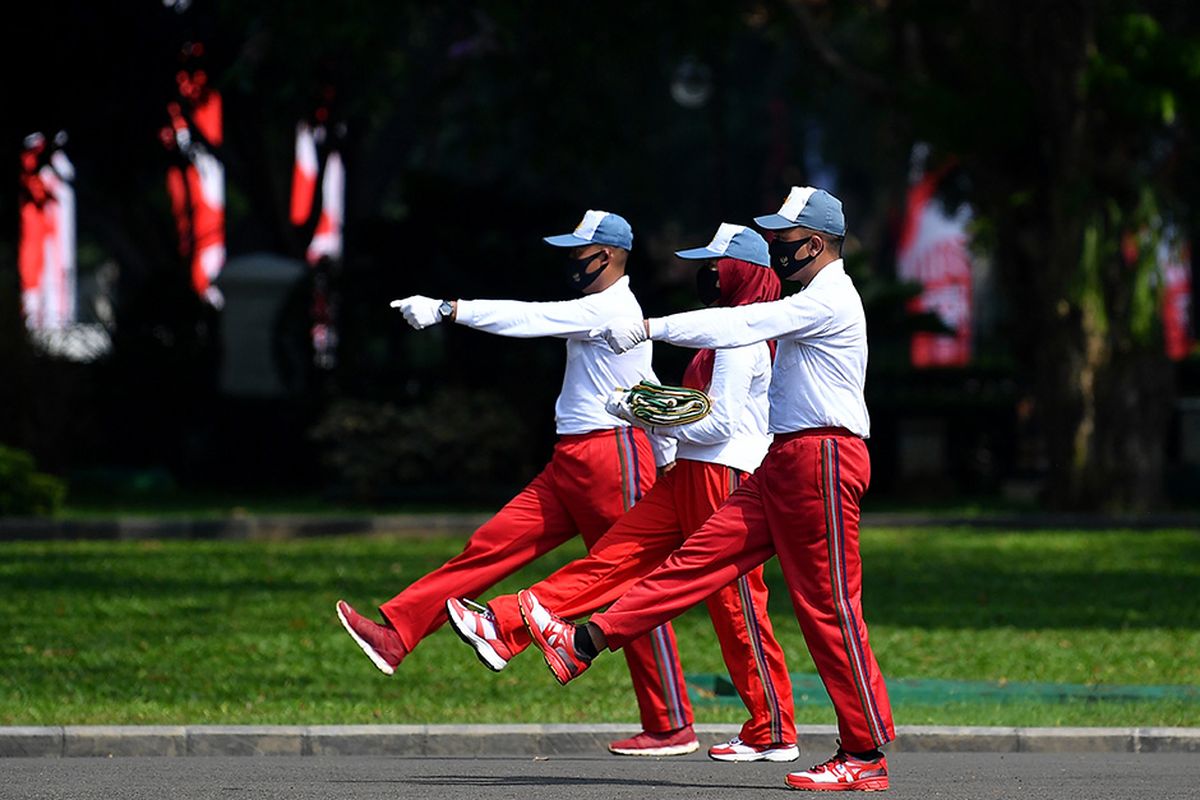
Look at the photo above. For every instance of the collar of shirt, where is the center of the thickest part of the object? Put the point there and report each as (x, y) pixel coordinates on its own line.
(620, 283)
(833, 268)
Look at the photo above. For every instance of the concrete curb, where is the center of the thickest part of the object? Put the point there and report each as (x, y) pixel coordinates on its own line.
(535, 740)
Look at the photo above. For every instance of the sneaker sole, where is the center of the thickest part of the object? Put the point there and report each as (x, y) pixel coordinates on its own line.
(376, 659)
(486, 654)
(779, 754)
(672, 750)
(868, 785)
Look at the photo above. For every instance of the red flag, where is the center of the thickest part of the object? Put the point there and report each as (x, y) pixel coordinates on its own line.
(933, 252)
(46, 254)
(327, 238)
(31, 255)
(197, 184)
(304, 175)
(1175, 261)
(326, 244)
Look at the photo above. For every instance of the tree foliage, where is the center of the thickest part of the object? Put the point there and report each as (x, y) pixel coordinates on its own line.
(471, 131)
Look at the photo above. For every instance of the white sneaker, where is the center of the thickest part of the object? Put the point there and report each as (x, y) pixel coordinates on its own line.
(476, 625)
(737, 750)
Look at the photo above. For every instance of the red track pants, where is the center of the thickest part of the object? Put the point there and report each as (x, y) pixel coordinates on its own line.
(591, 480)
(802, 505)
(672, 510)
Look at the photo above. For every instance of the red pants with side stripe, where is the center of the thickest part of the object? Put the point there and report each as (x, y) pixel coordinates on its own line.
(802, 505)
(671, 511)
(591, 481)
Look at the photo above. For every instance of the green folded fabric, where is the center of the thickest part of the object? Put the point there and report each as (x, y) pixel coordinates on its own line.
(667, 405)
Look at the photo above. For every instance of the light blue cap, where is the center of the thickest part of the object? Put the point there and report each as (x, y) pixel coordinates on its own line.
(597, 227)
(806, 207)
(732, 241)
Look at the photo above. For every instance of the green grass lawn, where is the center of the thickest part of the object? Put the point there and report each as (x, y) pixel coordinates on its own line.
(244, 632)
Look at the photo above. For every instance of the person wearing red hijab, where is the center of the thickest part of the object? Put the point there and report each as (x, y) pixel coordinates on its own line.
(802, 505)
(714, 455)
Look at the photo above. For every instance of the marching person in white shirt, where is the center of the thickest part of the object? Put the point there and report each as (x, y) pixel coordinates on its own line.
(715, 454)
(802, 504)
(601, 466)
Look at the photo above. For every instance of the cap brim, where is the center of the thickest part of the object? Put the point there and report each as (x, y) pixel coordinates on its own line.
(697, 254)
(775, 222)
(566, 240)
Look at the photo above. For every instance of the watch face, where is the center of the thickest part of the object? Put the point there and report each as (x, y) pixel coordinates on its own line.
(445, 308)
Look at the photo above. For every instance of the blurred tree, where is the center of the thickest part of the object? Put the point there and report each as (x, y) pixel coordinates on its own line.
(1076, 122)
(474, 129)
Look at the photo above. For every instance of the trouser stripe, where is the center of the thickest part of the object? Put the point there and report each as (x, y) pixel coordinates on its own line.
(760, 659)
(637, 467)
(754, 630)
(847, 621)
(668, 676)
(631, 483)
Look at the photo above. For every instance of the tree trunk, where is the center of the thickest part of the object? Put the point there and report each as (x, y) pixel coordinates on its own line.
(1103, 393)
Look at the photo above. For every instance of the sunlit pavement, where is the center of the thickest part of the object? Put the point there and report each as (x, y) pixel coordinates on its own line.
(963, 776)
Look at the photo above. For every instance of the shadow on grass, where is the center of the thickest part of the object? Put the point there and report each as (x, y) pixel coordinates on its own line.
(926, 585)
(1023, 581)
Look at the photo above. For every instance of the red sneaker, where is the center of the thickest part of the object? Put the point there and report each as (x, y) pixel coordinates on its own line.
(672, 743)
(554, 636)
(843, 773)
(737, 750)
(380, 642)
(476, 625)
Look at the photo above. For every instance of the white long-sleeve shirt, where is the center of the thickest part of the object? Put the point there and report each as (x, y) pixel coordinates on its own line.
(821, 358)
(734, 432)
(592, 370)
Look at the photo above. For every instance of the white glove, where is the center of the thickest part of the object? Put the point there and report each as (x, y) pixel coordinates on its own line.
(419, 311)
(622, 334)
(617, 404)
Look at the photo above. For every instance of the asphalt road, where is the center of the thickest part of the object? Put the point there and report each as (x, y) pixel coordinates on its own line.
(962, 776)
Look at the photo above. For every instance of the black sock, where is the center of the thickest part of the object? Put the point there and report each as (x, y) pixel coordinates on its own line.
(870, 755)
(585, 648)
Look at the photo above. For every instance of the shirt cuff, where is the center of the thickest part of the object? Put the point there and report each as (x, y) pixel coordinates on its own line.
(658, 328)
(465, 313)
(663, 447)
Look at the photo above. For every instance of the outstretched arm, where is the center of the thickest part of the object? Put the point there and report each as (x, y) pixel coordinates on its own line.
(715, 328)
(792, 317)
(568, 319)
(564, 319)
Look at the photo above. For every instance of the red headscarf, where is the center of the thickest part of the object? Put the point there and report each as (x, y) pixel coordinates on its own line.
(741, 283)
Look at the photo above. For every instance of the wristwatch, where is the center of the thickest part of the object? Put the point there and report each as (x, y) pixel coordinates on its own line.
(445, 309)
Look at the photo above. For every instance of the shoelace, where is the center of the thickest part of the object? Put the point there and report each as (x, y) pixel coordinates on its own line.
(827, 765)
(478, 608)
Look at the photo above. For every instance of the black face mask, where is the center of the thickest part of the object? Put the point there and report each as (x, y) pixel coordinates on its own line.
(783, 257)
(708, 285)
(576, 271)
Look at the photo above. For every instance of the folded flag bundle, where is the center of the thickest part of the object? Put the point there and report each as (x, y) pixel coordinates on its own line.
(667, 405)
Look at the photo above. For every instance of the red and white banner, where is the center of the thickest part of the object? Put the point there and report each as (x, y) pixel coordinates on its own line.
(933, 252)
(304, 175)
(196, 183)
(327, 237)
(1175, 263)
(46, 255)
(326, 242)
